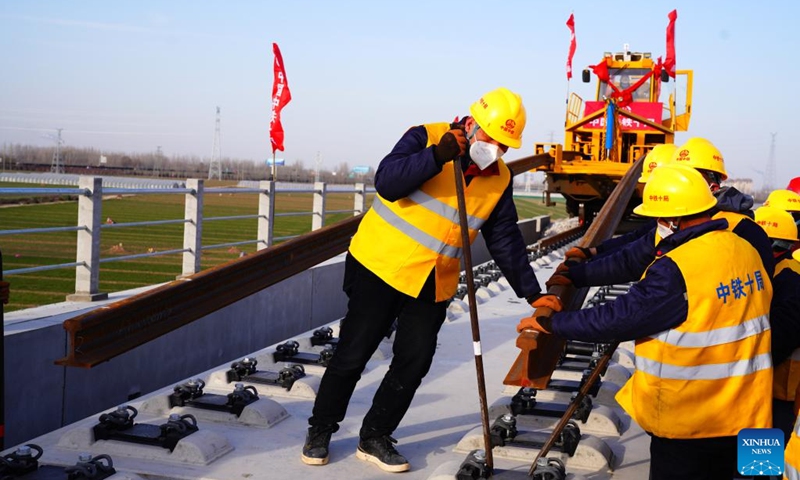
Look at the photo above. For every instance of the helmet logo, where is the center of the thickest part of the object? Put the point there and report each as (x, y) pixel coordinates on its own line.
(509, 126)
(483, 103)
(718, 158)
(652, 165)
(683, 155)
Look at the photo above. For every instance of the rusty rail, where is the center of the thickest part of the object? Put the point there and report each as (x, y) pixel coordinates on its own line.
(539, 352)
(104, 333)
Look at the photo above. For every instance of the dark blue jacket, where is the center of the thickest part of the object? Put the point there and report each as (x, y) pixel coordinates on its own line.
(615, 243)
(784, 314)
(654, 304)
(410, 164)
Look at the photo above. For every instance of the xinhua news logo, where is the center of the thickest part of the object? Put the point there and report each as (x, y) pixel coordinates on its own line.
(760, 451)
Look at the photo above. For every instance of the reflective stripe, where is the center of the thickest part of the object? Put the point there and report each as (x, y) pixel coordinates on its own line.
(715, 371)
(719, 336)
(423, 238)
(797, 427)
(791, 473)
(442, 209)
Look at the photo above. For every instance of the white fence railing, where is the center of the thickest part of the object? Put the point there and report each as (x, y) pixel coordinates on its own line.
(89, 226)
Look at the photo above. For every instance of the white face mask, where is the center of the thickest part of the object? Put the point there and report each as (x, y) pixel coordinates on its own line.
(483, 154)
(665, 231)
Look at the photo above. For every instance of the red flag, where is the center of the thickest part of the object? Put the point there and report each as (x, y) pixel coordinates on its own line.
(280, 97)
(572, 44)
(669, 61)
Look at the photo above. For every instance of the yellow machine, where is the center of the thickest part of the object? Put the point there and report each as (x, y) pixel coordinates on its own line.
(635, 108)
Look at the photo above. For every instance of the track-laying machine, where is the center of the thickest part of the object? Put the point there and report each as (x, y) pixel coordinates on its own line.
(637, 105)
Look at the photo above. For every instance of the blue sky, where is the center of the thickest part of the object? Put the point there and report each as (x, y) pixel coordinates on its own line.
(132, 76)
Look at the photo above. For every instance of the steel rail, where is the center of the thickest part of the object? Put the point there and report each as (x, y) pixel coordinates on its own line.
(45, 192)
(42, 230)
(104, 333)
(540, 353)
(44, 268)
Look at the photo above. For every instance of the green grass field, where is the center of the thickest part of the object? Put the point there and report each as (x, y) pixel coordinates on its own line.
(51, 286)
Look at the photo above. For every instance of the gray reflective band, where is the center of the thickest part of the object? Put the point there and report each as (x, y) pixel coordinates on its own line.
(715, 371)
(719, 336)
(415, 233)
(791, 472)
(442, 209)
(797, 427)
(796, 355)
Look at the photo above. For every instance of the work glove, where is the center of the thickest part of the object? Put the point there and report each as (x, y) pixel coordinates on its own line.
(581, 252)
(538, 324)
(4, 291)
(453, 144)
(546, 300)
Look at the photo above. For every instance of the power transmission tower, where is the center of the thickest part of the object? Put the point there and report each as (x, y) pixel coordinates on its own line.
(215, 167)
(57, 164)
(769, 172)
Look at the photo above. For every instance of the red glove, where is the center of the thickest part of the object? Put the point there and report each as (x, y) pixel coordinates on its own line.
(581, 252)
(4, 290)
(538, 324)
(561, 268)
(548, 300)
(557, 279)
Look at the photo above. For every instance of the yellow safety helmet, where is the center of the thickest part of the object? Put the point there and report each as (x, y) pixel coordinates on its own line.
(785, 200)
(778, 223)
(501, 115)
(701, 154)
(796, 255)
(675, 190)
(659, 155)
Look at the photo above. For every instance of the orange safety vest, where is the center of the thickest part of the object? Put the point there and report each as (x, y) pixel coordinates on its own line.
(402, 241)
(710, 376)
(787, 374)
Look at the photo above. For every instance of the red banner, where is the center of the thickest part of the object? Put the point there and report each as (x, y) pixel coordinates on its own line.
(280, 97)
(649, 110)
(572, 44)
(669, 61)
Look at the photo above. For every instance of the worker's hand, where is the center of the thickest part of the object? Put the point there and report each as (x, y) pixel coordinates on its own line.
(558, 279)
(563, 268)
(581, 252)
(538, 324)
(4, 291)
(549, 301)
(452, 145)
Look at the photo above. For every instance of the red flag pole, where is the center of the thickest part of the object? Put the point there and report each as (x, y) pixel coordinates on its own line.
(280, 97)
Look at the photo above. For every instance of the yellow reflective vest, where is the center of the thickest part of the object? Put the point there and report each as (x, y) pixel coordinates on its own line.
(402, 241)
(711, 375)
(787, 374)
(791, 456)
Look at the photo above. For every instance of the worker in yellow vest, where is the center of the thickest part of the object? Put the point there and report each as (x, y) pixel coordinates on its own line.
(784, 314)
(791, 457)
(403, 264)
(700, 318)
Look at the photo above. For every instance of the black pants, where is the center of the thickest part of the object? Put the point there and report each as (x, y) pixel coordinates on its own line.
(372, 308)
(692, 459)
